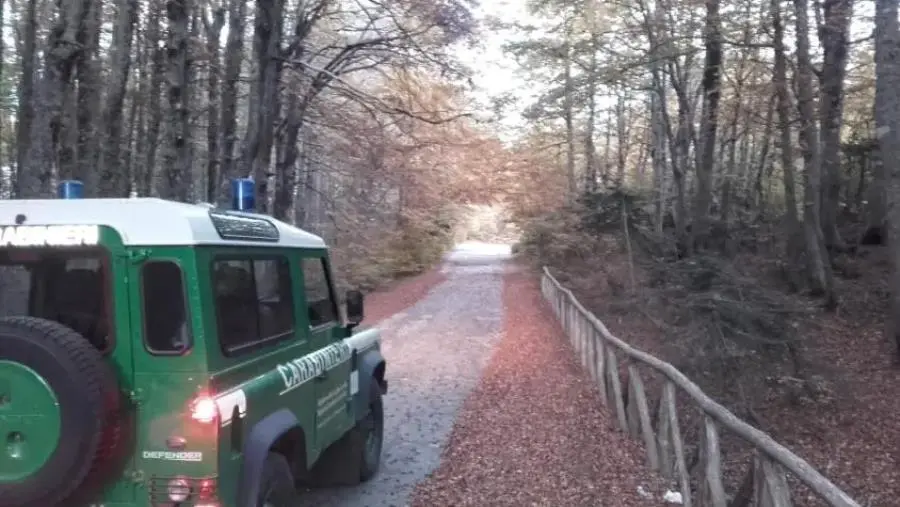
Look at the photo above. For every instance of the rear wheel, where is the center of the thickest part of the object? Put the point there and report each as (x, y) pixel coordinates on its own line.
(356, 457)
(51, 378)
(277, 485)
(371, 434)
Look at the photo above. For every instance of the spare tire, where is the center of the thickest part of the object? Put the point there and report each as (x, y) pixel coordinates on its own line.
(58, 403)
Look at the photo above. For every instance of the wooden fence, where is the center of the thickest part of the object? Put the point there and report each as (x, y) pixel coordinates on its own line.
(599, 352)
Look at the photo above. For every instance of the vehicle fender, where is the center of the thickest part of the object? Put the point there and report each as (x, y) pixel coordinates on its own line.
(366, 364)
(256, 449)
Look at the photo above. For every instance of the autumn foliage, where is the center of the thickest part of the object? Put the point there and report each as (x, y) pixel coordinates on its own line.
(414, 167)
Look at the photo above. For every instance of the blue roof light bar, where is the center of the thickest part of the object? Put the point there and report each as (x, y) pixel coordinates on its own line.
(243, 194)
(70, 189)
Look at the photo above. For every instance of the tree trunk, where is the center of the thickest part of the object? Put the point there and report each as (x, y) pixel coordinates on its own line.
(792, 229)
(885, 60)
(234, 50)
(765, 149)
(7, 191)
(213, 30)
(622, 134)
(569, 115)
(834, 39)
(260, 138)
(55, 91)
(658, 155)
(887, 121)
(730, 172)
(88, 70)
(25, 115)
(178, 177)
(680, 147)
(817, 262)
(590, 162)
(709, 124)
(147, 180)
(114, 179)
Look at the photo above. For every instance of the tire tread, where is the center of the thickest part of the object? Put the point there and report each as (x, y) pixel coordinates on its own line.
(89, 364)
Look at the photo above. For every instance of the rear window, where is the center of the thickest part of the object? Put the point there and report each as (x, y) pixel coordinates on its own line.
(254, 303)
(69, 286)
(167, 328)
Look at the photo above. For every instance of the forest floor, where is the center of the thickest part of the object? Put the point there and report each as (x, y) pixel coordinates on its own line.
(850, 434)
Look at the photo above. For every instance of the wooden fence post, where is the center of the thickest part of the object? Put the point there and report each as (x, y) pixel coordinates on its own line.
(600, 365)
(639, 412)
(711, 490)
(587, 331)
(770, 487)
(614, 385)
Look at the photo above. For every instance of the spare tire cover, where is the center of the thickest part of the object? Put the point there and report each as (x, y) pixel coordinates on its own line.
(57, 401)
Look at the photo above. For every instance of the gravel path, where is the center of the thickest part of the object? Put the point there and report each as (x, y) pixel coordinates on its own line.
(400, 296)
(436, 351)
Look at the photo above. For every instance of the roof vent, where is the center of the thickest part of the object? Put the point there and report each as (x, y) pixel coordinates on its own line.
(70, 189)
(243, 194)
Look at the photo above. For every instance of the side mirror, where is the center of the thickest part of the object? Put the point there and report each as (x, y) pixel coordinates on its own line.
(354, 307)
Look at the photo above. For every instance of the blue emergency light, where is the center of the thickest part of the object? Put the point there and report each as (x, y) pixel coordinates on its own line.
(71, 189)
(243, 194)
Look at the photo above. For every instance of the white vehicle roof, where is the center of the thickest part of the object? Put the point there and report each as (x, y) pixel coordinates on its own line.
(148, 221)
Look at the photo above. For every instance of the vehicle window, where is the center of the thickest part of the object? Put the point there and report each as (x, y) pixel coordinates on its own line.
(254, 304)
(319, 299)
(166, 325)
(15, 290)
(276, 302)
(69, 286)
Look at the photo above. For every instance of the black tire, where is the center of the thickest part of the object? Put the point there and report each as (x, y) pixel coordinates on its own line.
(89, 406)
(277, 484)
(371, 434)
(350, 460)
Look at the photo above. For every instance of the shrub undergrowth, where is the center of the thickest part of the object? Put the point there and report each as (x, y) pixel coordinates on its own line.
(721, 316)
(369, 258)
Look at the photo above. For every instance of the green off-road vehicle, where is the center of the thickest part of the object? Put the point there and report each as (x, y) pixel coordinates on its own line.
(163, 354)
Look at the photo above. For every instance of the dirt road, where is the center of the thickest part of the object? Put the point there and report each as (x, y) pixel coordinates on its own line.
(436, 351)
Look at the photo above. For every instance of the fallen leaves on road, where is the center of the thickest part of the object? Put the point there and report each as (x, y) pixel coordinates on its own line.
(533, 433)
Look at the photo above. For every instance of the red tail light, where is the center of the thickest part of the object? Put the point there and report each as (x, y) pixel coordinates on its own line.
(204, 409)
(183, 492)
(206, 490)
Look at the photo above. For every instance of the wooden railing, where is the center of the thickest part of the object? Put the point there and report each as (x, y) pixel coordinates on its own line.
(599, 352)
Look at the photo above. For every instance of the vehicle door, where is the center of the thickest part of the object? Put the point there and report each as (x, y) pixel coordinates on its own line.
(169, 441)
(259, 344)
(334, 415)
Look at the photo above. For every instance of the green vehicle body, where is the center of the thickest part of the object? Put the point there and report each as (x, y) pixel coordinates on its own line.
(197, 414)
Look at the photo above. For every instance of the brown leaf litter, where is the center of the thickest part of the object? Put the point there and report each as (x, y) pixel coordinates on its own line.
(853, 438)
(534, 433)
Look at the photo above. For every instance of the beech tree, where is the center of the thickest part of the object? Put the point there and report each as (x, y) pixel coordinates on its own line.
(887, 120)
(173, 98)
(721, 103)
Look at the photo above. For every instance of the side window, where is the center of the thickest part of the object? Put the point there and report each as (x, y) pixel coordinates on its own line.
(273, 292)
(254, 304)
(319, 299)
(167, 329)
